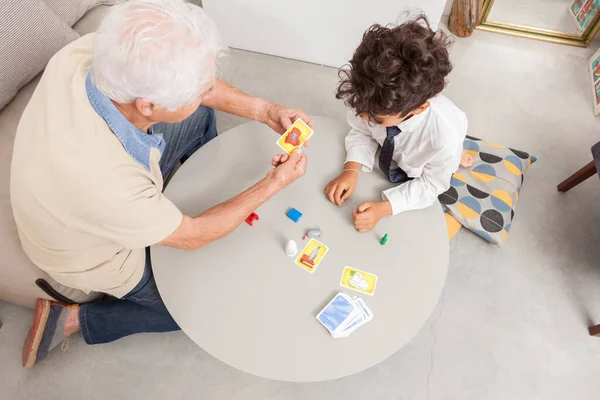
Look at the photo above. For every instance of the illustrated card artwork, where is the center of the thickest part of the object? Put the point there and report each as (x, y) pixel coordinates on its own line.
(358, 280)
(312, 255)
(295, 136)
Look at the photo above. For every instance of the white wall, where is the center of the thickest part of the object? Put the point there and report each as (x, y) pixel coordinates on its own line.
(448, 7)
(320, 31)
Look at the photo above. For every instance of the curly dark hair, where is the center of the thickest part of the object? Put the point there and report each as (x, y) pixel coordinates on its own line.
(395, 69)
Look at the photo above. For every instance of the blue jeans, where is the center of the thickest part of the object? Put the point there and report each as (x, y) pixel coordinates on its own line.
(142, 309)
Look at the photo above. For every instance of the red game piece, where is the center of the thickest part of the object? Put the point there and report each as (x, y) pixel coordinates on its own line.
(251, 218)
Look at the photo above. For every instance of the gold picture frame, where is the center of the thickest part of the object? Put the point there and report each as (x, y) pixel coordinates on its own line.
(546, 35)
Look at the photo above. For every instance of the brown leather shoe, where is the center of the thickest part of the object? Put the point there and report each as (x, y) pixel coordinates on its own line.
(46, 331)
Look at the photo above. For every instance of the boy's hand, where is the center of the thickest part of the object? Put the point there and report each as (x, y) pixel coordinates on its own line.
(368, 214)
(340, 189)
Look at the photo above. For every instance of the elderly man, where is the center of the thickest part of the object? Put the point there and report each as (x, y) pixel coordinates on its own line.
(112, 115)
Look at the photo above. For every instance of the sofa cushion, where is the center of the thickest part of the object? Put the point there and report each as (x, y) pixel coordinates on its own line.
(90, 21)
(17, 273)
(30, 34)
(483, 198)
(71, 11)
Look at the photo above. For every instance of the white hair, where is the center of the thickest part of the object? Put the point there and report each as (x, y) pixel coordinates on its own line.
(164, 51)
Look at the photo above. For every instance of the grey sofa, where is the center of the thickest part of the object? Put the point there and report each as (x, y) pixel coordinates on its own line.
(17, 274)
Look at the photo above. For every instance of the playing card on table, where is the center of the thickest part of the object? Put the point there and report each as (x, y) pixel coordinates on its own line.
(311, 256)
(365, 316)
(343, 315)
(363, 307)
(358, 280)
(338, 310)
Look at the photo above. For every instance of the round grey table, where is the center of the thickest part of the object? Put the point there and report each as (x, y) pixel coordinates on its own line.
(248, 304)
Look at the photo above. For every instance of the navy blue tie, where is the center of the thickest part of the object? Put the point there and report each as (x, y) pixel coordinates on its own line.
(386, 155)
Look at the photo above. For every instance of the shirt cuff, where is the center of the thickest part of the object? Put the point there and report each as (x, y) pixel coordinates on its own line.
(365, 160)
(395, 199)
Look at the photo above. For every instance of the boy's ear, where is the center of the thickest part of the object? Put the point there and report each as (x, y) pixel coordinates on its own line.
(421, 108)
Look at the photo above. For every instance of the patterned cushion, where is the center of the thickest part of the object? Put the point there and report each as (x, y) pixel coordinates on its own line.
(483, 198)
(30, 34)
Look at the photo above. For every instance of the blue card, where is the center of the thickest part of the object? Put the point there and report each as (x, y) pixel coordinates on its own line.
(339, 309)
(354, 323)
(366, 311)
(363, 317)
(344, 314)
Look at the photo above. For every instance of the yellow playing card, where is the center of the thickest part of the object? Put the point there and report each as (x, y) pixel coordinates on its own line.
(295, 136)
(312, 255)
(358, 280)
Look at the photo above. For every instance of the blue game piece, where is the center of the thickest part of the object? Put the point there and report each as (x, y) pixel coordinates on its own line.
(294, 215)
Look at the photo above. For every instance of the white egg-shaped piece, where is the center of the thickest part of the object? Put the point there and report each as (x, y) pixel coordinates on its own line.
(291, 248)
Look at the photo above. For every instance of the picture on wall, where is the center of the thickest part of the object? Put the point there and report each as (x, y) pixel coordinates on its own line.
(575, 6)
(584, 12)
(594, 71)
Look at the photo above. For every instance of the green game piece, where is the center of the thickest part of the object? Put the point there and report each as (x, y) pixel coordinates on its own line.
(383, 239)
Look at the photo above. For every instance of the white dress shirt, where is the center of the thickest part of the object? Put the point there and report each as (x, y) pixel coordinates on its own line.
(428, 149)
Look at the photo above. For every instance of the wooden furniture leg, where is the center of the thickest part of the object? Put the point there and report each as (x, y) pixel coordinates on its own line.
(595, 330)
(577, 177)
(464, 17)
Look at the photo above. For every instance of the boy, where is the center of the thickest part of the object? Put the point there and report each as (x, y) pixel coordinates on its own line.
(392, 89)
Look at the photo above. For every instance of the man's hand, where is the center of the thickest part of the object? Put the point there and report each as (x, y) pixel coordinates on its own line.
(231, 100)
(368, 214)
(222, 219)
(280, 118)
(341, 188)
(288, 168)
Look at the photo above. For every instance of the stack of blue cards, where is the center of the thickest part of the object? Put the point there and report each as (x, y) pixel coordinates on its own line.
(344, 314)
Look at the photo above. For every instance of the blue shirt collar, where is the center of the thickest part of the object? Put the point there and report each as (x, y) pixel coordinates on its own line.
(136, 142)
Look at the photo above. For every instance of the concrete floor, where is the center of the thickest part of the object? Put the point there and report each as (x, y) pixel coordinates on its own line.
(512, 322)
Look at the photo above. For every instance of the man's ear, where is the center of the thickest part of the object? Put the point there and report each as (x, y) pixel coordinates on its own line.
(421, 108)
(144, 107)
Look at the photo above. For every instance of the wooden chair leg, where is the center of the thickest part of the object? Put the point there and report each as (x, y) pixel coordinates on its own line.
(595, 330)
(578, 177)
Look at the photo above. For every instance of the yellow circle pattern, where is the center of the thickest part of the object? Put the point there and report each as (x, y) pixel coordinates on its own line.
(503, 195)
(512, 168)
(459, 177)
